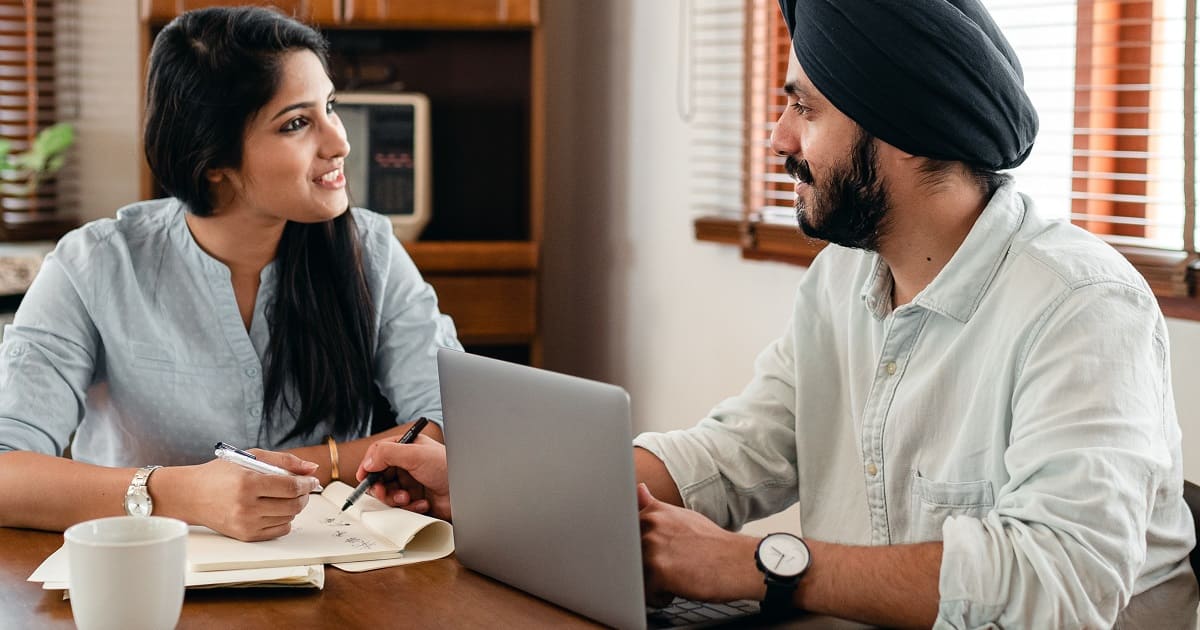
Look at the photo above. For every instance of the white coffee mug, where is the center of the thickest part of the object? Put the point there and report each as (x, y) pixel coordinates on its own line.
(127, 572)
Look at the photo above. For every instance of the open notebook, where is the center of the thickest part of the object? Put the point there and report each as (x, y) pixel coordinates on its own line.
(320, 534)
(368, 536)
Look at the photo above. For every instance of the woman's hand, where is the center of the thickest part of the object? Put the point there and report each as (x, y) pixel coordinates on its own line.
(414, 475)
(242, 503)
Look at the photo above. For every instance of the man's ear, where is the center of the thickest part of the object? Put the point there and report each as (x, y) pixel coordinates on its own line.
(890, 153)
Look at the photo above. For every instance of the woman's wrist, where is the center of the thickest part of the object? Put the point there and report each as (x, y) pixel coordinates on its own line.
(173, 493)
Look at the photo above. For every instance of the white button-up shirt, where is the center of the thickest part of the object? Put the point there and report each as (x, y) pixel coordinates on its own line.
(1019, 409)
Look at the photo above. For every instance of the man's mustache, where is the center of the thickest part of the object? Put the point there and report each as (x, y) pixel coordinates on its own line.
(798, 169)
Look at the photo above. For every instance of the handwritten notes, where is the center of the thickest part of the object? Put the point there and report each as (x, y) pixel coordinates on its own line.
(319, 534)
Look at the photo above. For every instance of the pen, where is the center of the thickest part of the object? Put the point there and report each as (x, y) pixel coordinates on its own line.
(372, 478)
(235, 455)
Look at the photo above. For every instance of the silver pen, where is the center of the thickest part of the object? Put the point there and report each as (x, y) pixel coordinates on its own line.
(235, 455)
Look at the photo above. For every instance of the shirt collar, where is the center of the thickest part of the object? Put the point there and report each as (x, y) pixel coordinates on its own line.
(960, 286)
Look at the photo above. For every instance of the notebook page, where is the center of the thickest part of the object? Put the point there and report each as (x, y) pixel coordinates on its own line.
(319, 534)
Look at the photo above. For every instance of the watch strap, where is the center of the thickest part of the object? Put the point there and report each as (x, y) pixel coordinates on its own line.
(142, 476)
(138, 488)
(778, 599)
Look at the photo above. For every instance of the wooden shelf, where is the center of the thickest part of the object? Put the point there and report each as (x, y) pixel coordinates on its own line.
(441, 13)
(319, 12)
(488, 287)
(473, 256)
(395, 14)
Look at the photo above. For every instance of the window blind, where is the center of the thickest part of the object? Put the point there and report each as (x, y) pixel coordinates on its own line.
(738, 61)
(1114, 83)
(33, 48)
(710, 99)
(774, 198)
(1114, 90)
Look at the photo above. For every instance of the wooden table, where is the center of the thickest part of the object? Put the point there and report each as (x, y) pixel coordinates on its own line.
(428, 595)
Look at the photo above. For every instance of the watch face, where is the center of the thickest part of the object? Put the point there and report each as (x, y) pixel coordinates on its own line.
(137, 502)
(783, 554)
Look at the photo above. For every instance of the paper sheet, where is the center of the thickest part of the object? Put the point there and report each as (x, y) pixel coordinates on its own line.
(54, 574)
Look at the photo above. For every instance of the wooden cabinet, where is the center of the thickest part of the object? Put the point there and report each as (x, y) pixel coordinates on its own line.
(410, 13)
(320, 12)
(400, 14)
(479, 64)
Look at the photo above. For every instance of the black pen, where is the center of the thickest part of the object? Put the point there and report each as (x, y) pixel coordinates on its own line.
(371, 478)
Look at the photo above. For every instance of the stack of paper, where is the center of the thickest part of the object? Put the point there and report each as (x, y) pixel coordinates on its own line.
(54, 574)
(368, 536)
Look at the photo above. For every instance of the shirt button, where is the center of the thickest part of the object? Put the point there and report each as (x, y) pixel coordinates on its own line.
(253, 371)
(890, 367)
(254, 411)
(872, 470)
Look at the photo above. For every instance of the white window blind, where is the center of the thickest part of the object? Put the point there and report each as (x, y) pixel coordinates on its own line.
(710, 99)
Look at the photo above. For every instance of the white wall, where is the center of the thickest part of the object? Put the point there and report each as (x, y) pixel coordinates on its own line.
(630, 297)
(108, 151)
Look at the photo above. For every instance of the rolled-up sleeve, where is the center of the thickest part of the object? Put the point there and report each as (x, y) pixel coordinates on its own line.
(1088, 459)
(739, 463)
(410, 332)
(47, 362)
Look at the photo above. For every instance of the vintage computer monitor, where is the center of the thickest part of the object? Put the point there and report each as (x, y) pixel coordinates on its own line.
(388, 167)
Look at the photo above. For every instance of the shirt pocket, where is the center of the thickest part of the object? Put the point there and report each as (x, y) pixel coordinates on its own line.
(160, 361)
(935, 501)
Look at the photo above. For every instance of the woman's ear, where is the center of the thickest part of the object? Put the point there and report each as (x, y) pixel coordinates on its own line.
(215, 175)
(222, 185)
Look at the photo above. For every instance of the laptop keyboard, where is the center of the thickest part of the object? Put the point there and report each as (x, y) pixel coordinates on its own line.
(682, 612)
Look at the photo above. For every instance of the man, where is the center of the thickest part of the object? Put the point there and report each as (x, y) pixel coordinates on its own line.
(971, 404)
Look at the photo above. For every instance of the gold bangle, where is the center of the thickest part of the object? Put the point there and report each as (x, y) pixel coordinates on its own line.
(333, 458)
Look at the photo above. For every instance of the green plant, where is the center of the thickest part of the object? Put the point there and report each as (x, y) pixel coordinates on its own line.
(43, 159)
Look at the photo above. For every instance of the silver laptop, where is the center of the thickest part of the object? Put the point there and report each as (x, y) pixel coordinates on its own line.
(542, 483)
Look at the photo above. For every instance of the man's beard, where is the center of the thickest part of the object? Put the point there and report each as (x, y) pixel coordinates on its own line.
(851, 208)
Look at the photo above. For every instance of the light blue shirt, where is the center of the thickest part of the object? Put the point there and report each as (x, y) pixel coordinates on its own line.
(1019, 409)
(130, 337)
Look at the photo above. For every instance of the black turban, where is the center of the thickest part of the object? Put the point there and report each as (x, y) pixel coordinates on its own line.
(934, 78)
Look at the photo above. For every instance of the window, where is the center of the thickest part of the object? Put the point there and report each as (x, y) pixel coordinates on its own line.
(1114, 85)
(38, 76)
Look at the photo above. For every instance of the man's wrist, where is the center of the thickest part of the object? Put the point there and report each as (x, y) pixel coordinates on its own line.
(749, 582)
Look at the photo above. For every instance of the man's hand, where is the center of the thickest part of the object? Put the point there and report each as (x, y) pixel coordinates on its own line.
(414, 476)
(684, 554)
(241, 503)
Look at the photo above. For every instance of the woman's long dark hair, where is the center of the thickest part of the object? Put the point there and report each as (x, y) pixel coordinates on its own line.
(210, 72)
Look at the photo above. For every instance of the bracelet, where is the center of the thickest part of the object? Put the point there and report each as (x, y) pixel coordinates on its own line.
(333, 458)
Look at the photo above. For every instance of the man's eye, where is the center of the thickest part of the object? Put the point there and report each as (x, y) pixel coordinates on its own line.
(800, 109)
(329, 106)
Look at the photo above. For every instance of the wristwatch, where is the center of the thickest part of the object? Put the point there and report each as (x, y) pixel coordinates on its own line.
(783, 559)
(137, 497)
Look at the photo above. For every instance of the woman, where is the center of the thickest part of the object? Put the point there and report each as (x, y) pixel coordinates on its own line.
(253, 307)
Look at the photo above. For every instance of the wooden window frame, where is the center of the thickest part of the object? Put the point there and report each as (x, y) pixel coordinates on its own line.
(1170, 273)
